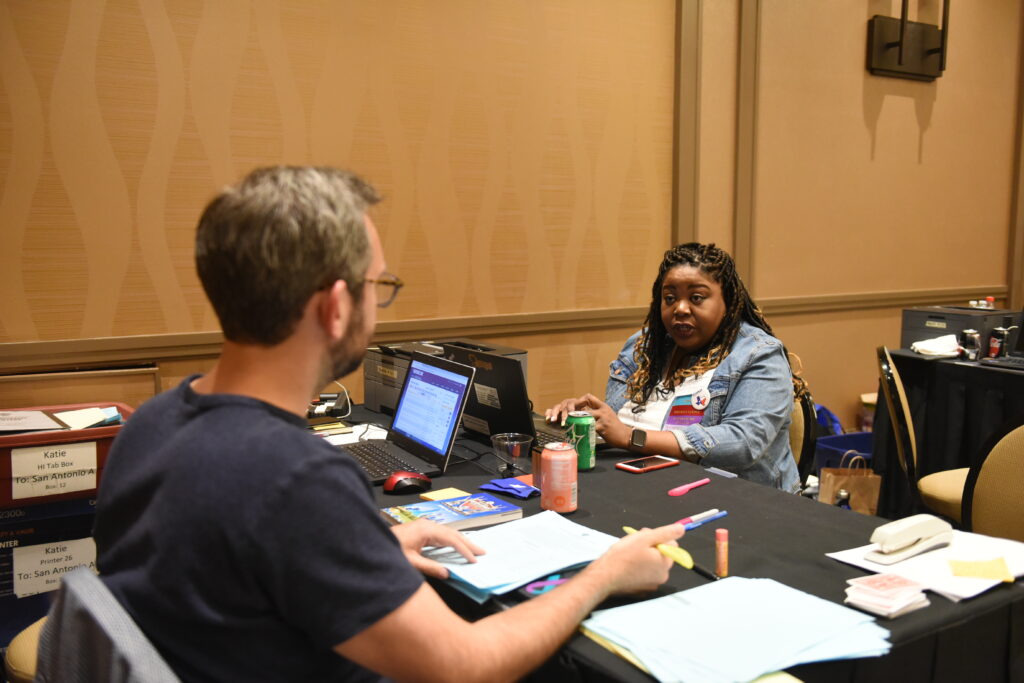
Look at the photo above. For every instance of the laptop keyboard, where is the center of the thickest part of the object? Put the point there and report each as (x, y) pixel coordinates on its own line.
(378, 459)
(546, 436)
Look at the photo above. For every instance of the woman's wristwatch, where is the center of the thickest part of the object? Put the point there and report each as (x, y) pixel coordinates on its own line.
(638, 439)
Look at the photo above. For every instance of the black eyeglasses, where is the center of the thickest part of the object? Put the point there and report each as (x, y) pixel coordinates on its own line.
(387, 286)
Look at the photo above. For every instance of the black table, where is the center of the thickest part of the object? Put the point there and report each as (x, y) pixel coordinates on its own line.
(955, 407)
(775, 535)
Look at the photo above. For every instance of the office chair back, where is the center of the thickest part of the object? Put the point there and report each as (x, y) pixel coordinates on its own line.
(899, 415)
(801, 435)
(88, 636)
(991, 503)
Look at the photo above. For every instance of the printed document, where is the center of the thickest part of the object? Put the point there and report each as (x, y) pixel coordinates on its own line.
(520, 551)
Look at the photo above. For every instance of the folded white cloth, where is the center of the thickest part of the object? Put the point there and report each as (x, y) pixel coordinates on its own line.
(945, 346)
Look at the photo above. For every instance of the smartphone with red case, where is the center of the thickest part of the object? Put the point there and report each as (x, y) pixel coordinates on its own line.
(647, 463)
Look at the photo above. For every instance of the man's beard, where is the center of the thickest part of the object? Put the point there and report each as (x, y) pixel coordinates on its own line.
(348, 352)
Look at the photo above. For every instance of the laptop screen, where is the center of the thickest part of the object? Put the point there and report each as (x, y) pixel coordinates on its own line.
(431, 403)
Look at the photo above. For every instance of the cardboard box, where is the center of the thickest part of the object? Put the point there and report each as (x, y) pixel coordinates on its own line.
(49, 466)
(34, 555)
(36, 511)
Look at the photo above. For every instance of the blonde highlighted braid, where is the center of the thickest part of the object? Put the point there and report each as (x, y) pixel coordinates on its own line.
(654, 349)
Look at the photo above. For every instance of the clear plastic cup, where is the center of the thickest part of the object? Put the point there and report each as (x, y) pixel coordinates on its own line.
(510, 448)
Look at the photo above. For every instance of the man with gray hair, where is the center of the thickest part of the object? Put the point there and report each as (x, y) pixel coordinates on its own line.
(247, 548)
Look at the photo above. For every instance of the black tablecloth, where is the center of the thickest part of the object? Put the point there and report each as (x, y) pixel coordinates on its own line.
(775, 535)
(955, 407)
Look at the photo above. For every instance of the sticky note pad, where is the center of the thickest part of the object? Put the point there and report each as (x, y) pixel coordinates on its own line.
(996, 569)
(443, 494)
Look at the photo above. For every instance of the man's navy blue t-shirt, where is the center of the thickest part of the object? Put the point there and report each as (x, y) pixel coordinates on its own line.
(244, 546)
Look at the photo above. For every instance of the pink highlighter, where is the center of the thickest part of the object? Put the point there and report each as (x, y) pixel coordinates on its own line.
(686, 488)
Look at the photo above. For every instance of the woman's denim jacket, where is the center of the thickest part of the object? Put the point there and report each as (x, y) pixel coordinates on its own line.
(745, 428)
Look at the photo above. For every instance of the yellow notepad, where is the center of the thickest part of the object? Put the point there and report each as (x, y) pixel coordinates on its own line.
(996, 569)
(443, 494)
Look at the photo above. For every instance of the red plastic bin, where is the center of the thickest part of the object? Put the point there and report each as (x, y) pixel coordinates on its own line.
(45, 484)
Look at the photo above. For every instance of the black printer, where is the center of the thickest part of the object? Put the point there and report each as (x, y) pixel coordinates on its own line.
(928, 322)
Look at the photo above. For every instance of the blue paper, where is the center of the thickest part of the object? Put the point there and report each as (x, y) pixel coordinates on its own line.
(778, 626)
(521, 551)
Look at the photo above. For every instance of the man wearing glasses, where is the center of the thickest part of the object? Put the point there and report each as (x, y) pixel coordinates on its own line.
(248, 549)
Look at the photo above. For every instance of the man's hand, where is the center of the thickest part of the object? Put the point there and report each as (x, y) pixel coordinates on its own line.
(414, 536)
(606, 422)
(634, 564)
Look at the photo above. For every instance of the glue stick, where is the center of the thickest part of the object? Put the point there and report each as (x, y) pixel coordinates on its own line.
(721, 553)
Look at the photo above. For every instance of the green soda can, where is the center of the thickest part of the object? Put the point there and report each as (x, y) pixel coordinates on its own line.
(581, 431)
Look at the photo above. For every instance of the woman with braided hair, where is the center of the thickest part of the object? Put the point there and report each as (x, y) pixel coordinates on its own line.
(704, 379)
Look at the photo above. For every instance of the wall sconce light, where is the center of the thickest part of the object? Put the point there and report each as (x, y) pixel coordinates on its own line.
(907, 49)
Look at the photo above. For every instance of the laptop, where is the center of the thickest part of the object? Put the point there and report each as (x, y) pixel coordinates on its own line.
(426, 420)
(1014, 360)
(499, 402)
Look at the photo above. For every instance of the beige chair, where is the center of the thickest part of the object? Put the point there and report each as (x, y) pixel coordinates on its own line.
(940, 492)
(801, 435)
(20, 659)
(992, 500)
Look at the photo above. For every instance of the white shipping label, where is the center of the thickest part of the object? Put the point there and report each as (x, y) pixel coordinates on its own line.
(487, 396)
(54, 469)
(39, 568)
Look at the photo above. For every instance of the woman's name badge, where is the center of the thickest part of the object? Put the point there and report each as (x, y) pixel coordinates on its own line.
(700, 399)
(682, 413)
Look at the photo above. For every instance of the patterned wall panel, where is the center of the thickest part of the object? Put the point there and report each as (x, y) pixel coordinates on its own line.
(524, 148)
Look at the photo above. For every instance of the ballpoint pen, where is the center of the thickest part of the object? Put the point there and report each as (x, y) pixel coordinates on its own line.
(717, 515)
(698, 517)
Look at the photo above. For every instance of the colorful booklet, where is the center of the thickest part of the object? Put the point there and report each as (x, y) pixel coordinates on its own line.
(464, 512)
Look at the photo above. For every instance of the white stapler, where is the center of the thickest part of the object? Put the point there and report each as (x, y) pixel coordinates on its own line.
(907, 537)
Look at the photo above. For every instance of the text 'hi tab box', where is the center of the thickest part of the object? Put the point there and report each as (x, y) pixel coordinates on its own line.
(53, 469)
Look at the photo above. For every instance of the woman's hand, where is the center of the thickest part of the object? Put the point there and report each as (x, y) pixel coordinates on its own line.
(608, 424)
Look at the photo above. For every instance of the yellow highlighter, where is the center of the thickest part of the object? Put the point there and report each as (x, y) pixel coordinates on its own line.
(672, 552)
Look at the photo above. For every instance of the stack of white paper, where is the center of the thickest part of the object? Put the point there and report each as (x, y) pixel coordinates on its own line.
(26, 420)
(519, 552)
(737, 629)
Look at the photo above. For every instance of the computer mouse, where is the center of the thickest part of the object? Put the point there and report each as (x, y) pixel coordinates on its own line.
(403, 481)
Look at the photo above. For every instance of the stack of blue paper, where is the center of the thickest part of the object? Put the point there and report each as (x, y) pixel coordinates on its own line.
(519, 552)
(737, 629)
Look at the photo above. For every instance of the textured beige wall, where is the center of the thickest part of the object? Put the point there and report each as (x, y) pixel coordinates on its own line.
(717, 178)
(498, 130)
(866, 184)
(871, 184)
(525, 149)
(837, 352)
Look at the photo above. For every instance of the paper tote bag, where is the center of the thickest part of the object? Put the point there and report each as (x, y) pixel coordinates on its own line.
(862, 484)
